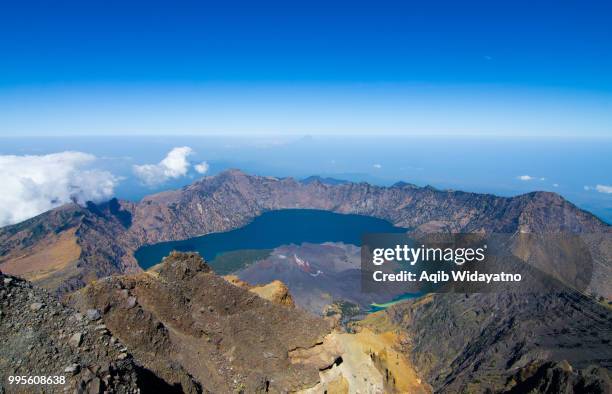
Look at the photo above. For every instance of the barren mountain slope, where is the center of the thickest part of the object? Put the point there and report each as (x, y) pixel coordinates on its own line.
(475, 342)
(181, 316)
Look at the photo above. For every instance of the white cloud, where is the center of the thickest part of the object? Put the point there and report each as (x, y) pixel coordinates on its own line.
(604, 189)
(587, 188)
(201, 168)
(529, 178)
(174, 165)
(34, 184)
(525, 178)
(555, 185)
(377, 166)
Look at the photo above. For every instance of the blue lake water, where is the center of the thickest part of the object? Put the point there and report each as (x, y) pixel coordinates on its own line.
(273, 229)
(402, 297)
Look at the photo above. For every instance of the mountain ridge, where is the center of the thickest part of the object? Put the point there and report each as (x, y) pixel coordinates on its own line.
(109, 233)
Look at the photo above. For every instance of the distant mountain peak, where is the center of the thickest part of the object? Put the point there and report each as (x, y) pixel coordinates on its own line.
(323, 180)
(402, 184)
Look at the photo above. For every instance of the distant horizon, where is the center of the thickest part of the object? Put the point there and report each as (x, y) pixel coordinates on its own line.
(130, 167)
(295, 135)
(329, 109)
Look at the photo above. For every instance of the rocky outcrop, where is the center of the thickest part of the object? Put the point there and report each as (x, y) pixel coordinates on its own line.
(275, 291)
(108, 234)
(193, 329)
(42, 337)
(369, 362)
(559, 377)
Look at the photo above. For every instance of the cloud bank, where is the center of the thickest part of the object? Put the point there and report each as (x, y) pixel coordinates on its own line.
(174, 165)
(34, 184)
(604, 189)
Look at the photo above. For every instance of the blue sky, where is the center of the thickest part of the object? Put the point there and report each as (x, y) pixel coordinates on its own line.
(116, 67)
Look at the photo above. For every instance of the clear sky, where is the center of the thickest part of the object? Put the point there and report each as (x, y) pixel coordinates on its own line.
(306, 67)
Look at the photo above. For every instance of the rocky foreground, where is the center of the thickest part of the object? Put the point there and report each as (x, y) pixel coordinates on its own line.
(42, 337)
(181, 328)
(193, 328)
(176, 328)
(201, 332)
